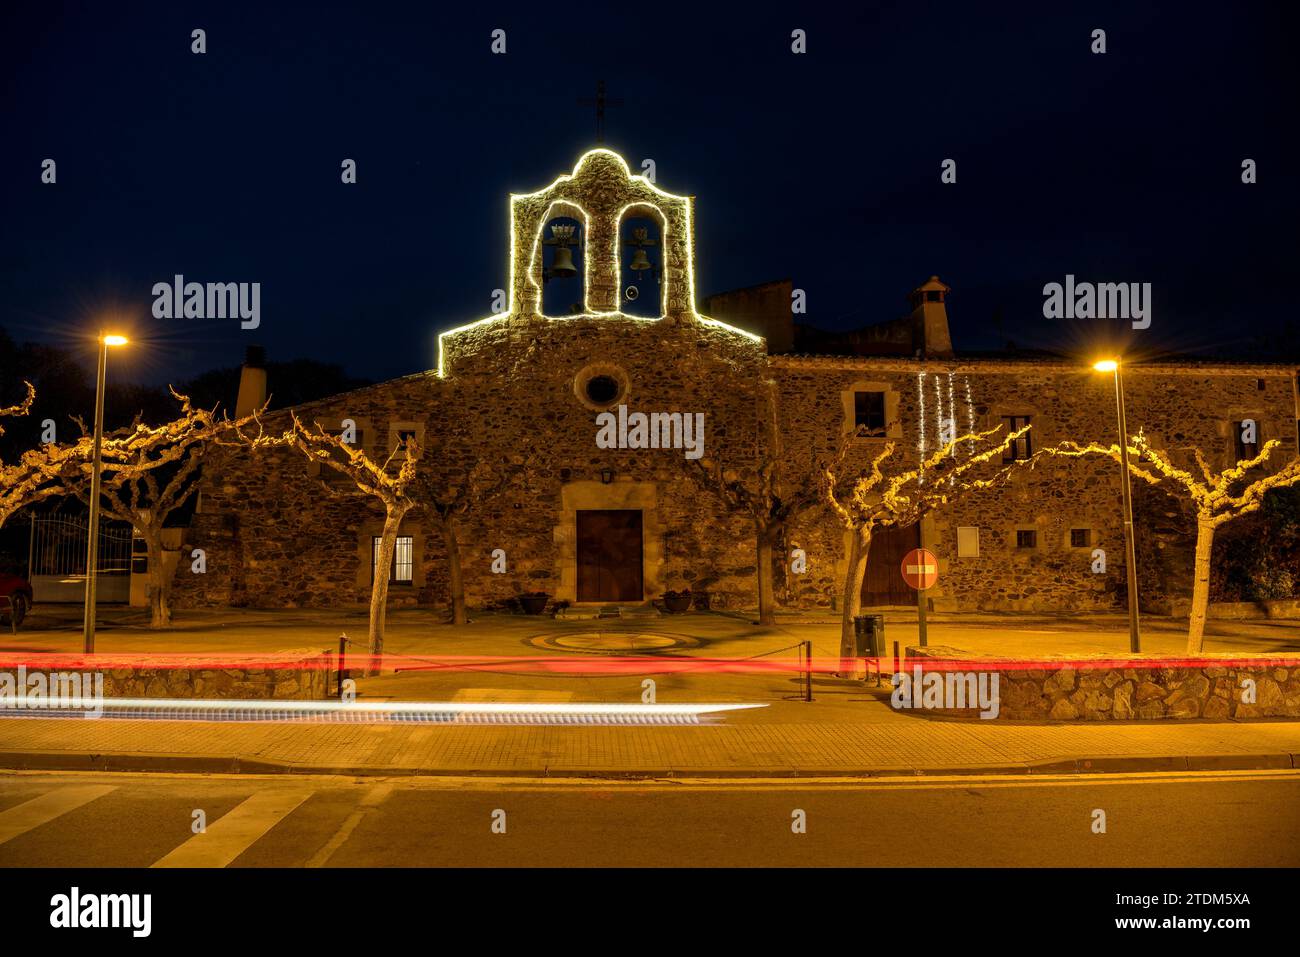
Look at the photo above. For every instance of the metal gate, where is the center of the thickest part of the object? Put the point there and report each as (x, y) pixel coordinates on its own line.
(56, 558)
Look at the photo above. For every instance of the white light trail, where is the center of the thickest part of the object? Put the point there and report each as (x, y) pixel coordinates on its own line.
(382, 712)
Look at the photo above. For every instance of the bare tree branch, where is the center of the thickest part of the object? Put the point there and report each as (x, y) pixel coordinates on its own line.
(1212, 496)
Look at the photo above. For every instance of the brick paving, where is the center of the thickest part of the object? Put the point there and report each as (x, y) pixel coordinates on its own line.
(755, 749)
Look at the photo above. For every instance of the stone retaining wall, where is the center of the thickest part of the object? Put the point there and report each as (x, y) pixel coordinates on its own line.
(300, 674)
(1272, 608)
(1106, 689)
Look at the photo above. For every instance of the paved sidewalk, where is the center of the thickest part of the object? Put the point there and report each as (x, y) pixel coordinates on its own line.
(757, 750)
(423, 631)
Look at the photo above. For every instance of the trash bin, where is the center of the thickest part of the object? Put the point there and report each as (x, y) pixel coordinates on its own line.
(869, 636)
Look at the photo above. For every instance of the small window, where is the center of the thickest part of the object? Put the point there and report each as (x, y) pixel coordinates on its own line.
(968, 542)
(1026, 538)
(1245, 450)
(933, 295)
(869, 413)
(402, 569)
(1022, 448)
(602, 389)
(401, 440)
(401, 434)
(1080, 537)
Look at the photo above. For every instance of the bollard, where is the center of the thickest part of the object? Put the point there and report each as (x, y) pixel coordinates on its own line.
(897, 663)
(343, 646)
(807, 671)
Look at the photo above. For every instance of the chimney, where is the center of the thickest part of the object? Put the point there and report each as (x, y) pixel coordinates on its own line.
(252, 382)
(930, 318)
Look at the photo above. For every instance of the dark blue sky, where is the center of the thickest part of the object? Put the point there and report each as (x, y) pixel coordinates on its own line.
(823, 168)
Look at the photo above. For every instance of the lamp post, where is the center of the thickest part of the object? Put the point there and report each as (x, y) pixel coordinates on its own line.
(92, 543)
(1130, 547)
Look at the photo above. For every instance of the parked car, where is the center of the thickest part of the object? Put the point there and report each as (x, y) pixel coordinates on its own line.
(15, 599)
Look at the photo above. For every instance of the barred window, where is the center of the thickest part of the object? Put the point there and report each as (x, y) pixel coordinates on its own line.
(402, 568)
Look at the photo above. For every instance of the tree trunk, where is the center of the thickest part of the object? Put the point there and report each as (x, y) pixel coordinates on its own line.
(1200, 586)
(859, 551)
(455, 578)
(160, 611)
(766, 602)
(379, 590)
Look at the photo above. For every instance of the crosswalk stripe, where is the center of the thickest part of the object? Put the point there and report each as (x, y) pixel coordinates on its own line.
(237, 831)
(375, 796)
(41, 810)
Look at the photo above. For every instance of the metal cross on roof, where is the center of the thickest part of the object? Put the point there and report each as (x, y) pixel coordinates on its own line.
(600, 101)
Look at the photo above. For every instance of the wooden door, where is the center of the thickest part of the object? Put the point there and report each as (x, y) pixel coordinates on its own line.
(883, 583)
(610, 555)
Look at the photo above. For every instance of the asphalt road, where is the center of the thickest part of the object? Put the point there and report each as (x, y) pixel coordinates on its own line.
(1238, 819)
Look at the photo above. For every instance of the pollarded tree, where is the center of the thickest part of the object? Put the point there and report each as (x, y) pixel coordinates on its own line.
(771, 489)
(873, 500)
(37, 473)
(370, 479)
(148, 473)
(43, 472)
(1217, 498)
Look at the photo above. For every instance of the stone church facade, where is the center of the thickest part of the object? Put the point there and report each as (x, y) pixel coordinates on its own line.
(518, 396)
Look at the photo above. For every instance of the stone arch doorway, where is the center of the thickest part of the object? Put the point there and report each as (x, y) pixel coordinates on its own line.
(609, 551)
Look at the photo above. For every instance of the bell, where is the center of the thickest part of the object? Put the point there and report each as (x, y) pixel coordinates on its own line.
(562, 265)
(639, 241)
(562, 237)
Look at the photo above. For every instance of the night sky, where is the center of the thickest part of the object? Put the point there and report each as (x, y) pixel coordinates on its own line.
(823, 168)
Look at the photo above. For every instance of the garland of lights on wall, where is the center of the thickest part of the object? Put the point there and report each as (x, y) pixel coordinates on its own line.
(922, 446)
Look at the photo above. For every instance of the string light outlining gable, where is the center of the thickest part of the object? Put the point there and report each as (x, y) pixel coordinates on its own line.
(599, 175)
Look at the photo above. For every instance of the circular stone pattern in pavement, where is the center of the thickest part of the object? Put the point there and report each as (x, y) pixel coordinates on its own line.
(604, 642)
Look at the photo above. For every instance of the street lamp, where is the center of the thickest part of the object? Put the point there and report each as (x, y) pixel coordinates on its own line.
(1130, 548)
(92, 544)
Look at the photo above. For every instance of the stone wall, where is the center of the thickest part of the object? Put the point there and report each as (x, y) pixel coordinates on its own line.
(275, 538)
(304, 674)
(1109, 689)
(1272, 608)
(1178, 407)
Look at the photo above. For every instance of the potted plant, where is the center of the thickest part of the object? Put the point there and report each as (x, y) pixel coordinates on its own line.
(677, 601)
(534, 602)
(700, 592)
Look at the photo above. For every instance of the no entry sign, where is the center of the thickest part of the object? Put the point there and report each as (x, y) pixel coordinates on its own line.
(920, 568)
